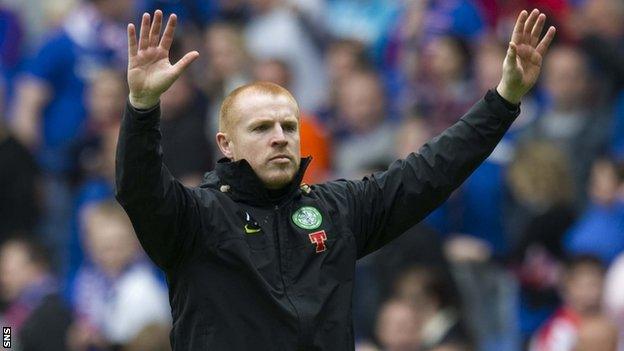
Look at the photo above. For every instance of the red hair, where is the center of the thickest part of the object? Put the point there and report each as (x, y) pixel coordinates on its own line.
(228, 107)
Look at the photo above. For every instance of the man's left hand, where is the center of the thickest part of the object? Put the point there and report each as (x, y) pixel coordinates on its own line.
(523, 62)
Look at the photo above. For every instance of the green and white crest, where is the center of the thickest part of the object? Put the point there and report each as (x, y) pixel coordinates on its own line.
(307, 218)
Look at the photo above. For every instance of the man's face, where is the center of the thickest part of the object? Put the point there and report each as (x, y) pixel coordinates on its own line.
(566, 78)
(104, 98)
(265, 132)
(361, 103)
(583, 289)
(398, 327)
(16, 270)
(110, 243)
(603, 183)
(225, 54)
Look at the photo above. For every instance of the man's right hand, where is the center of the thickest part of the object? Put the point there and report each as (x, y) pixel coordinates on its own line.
(149, 71)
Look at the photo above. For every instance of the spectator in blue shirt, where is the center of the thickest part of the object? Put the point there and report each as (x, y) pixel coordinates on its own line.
(49, 108)
(599, 229)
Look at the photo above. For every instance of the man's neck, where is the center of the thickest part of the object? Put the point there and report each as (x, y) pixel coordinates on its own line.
(276, 194)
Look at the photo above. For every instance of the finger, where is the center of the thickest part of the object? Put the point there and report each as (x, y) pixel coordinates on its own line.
(144, 31)
(542, 47)
(132, 41)
(537, 29)
(155, 31)
(512, 52)
(184, 62)
(528, 26)
(167, 37)
(516, 36)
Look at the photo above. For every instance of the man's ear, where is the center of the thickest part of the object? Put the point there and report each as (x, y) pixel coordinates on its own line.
(225, 145)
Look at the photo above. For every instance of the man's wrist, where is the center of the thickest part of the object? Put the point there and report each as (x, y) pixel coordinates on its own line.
(142, 103)
(510, 106)
(507, 95)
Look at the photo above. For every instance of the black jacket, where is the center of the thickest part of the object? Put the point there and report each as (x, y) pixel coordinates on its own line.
(46, 327)
(242, 274)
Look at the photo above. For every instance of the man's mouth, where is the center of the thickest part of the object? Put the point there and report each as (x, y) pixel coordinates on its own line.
(280, 158)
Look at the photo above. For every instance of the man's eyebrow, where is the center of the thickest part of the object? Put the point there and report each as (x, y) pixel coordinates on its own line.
(260, 121)
(286, 119)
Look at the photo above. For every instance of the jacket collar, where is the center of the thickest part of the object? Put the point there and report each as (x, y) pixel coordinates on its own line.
(241, 182)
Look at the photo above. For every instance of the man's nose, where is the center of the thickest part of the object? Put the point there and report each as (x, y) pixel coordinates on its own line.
(278, 138)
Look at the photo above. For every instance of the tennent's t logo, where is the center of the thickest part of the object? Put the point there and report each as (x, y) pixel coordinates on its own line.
(318, 238)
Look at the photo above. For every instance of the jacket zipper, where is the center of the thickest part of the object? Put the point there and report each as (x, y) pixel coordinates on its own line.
(279, 263)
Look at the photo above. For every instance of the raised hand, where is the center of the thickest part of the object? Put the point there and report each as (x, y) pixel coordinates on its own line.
(149, 71)
(523, 62)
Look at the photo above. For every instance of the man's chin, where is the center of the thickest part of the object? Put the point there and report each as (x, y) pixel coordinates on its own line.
(278, 180)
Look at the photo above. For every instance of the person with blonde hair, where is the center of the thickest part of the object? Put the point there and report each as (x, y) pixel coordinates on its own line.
(116, 293)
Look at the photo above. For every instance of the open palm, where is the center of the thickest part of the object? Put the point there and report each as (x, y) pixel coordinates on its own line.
(523, 62)
(149, 71)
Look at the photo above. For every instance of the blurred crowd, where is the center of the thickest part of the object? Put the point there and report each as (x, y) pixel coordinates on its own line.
(527, 255)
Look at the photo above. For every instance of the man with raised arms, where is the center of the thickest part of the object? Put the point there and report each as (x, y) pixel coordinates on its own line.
(254, 259)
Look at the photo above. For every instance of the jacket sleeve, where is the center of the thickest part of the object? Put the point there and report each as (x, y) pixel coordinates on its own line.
(386, 204)
(164, 213)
